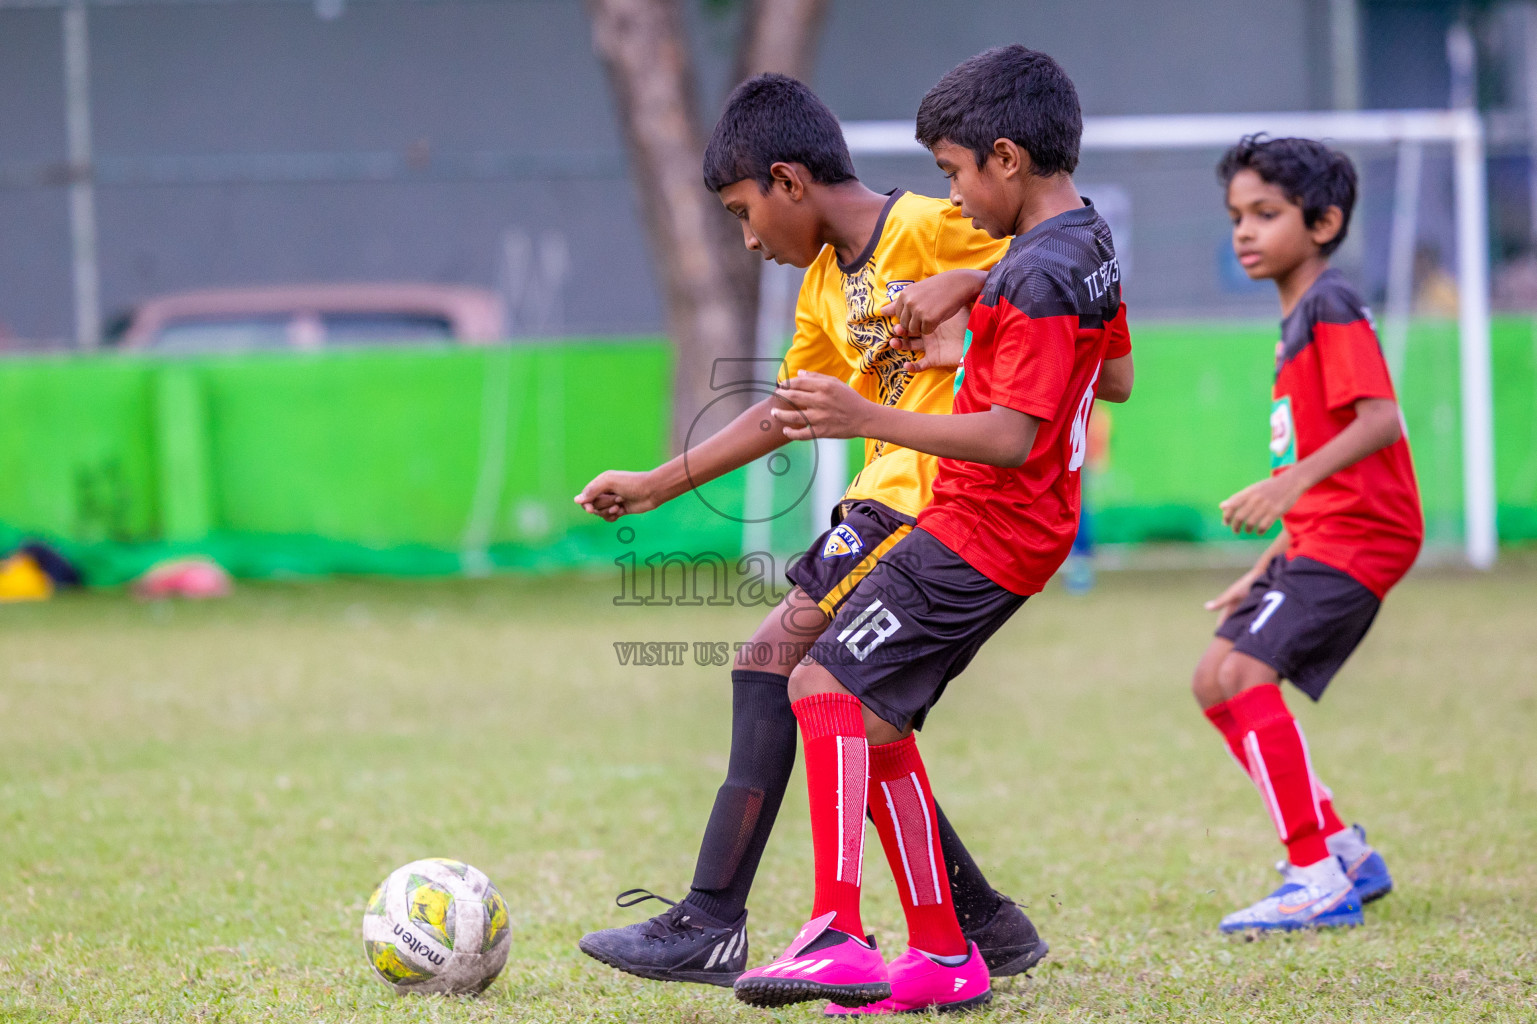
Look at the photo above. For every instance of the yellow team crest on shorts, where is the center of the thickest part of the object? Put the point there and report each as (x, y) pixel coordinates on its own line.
(842, 541)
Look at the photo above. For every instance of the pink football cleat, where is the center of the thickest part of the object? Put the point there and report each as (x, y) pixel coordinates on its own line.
(822, 963)
(919, 984)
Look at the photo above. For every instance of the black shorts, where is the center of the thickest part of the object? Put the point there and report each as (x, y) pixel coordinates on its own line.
(862, 532)
(1303, 619)
(910, 626)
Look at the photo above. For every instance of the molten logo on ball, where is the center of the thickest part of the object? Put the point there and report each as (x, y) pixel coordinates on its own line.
(436, 925)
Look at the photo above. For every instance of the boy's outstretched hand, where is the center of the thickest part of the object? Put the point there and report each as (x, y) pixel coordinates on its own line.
(824, 407)
(1227, 602)
(618, 493)
(923, 305)
(1257, 507)
(942, 349)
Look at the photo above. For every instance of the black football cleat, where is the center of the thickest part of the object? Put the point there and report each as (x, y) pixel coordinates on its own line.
(1008, 940)
(682, 944)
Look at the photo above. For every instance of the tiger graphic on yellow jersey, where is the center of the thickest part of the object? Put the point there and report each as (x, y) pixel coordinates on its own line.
(839, 331)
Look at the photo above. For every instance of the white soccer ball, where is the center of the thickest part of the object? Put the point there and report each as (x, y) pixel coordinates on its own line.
(436, 925)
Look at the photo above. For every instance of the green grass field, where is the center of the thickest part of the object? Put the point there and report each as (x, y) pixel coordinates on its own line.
(196, 800)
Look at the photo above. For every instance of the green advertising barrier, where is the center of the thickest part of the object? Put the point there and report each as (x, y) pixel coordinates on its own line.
(463, 460)
(1197, 429)
(400, 461)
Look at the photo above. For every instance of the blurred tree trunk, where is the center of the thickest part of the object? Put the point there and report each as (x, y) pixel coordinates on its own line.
(709, 281)
(780, 35)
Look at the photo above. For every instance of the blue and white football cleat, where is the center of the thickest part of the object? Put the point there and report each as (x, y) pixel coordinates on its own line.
(1318, 896)
(1364, 865)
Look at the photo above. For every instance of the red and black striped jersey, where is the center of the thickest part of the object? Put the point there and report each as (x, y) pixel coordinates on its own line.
(1049, 314)
(1364, 520)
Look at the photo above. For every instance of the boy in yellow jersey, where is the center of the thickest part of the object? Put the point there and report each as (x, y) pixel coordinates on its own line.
(778, 161)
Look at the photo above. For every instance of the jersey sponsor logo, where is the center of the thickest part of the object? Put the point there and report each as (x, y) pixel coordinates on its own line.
(842, 541)
(1283, 433)
(1099, 280)
(1271, 601)
(870, 630)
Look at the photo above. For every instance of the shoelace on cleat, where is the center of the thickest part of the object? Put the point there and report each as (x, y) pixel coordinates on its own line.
(671, 924)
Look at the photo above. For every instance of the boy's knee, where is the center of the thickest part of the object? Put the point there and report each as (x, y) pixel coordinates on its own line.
(1203, 681)
(1239, 672)
(879, 731)
(809, 678)
(1204, 686)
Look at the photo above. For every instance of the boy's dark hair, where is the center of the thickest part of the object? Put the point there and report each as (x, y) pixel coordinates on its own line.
(1008, 92)
(770, 119)
(1311, 174)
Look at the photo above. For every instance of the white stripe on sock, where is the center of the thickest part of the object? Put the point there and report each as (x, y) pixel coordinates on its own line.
(896, 823)
(864, 797)
(838, 742)
(1261, 776)
(928, 841)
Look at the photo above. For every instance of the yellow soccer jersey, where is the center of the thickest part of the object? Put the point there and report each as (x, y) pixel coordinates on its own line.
(839, 331)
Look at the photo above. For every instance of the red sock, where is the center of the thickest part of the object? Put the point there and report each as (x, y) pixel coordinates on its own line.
(837, 776)
(1332, 822)
(1277, 756)
(1221, 716)
(902, 806)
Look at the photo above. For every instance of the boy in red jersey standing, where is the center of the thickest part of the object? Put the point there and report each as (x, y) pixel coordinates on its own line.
(1047, 334)
(1342, 485)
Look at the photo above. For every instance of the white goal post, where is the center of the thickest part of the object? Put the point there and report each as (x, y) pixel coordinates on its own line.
(1408, 131)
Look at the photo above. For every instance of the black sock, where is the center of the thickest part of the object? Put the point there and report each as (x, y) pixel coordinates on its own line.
(763, 738)
(975, 899)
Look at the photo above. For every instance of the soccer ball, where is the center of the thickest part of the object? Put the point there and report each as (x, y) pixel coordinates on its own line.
(436, 925)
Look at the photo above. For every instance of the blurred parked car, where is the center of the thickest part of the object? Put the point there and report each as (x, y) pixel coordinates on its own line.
(310, 316)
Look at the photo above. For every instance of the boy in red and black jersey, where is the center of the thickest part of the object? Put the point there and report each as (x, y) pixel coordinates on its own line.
(1364, 520)
(1342, 485)
(1049, 316)
(1046, 336)
(778, 162)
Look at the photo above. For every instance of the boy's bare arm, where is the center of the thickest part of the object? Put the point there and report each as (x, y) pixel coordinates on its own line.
(750, 436)
(826, 407)
(1115, 380)
(1257, 507)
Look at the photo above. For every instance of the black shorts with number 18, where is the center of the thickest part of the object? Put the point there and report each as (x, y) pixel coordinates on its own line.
(910, 626)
